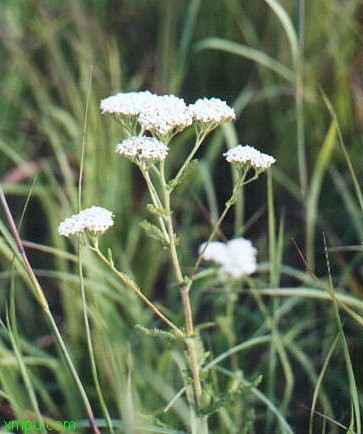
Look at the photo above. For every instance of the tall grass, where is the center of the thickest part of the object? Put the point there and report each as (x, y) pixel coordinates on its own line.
(269, 62)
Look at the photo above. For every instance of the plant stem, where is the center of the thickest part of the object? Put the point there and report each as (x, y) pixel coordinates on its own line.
(39, 294)
(230, 202)
(199, 139)
(91, 354)
(155, 200)
(211, 236)
(101, 399)
(132, 285)
(73, 372)
(184, 292)
(299, 101)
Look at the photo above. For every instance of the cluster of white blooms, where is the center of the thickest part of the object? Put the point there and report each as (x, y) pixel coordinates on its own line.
(159, 115)
(237, 257)
(127, 104)
(163, 115)
(95, 220)
(145, 148)
(211, 111)
(247, 155)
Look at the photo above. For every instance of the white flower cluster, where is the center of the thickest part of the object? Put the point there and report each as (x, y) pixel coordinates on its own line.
(163, 115)
(211, 111)
(167, 114)
(95, 220)
(127, 104)
(237, 257)
(142, 147)
(247, 155)
(159, 115)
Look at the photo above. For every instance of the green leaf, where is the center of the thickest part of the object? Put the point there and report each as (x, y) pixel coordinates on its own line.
(187, 171)
(157, 333)
(248, 53)
(227, 398)
(317, 177)
(160, 212)
(153, 231)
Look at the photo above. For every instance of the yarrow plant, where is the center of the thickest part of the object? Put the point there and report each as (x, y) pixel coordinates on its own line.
(150, 122)
(94, 221)
(249, 156)
(142, 149)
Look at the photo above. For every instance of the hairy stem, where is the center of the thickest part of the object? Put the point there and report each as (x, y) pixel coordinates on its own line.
(199, 139)
(155, 200)
(131, 285)
(184, 291)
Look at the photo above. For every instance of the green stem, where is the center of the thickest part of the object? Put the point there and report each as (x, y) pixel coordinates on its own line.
(230, 202)
(39, 294)
(73, 371)
(155, 200)
(185, 296)
(90, 348)
(299, 101)
(199, 139)
(132, 285)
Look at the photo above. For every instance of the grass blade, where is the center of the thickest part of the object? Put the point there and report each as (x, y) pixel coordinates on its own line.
(247, 53)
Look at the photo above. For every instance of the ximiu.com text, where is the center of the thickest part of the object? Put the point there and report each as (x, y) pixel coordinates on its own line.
(50, 425)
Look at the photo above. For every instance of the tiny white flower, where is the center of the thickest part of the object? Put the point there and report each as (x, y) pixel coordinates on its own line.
(145, 148)
(237, 257)
(128, 148)
(127, 104)
(247, 155)
(216, 251)
(95, 220)
(165, 115)
(211, 111)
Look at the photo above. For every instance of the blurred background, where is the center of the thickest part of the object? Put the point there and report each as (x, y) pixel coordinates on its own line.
(293, 72)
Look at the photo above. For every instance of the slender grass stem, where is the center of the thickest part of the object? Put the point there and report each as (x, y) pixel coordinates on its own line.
(90, 348)
(299, 102)
(39, 294)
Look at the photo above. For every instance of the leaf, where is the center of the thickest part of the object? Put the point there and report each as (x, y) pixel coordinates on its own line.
(157, 333)
(153, 231)
(187, 171)
(285, 20)
(160, 212)
(227, 398)
(317, 177)
(247, 53)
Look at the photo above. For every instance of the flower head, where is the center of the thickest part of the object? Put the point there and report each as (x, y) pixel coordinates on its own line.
(160, 115)
(165, 115)
(127, 104)
(237, 257)
(247, 155)
(145, 148)
(96, 220)
(211, 111)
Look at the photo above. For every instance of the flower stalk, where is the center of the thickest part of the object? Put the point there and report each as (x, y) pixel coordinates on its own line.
(184, 286)
(40, 297)
(132, 285)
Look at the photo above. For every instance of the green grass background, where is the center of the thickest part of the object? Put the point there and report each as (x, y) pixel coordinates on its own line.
(295, 80)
